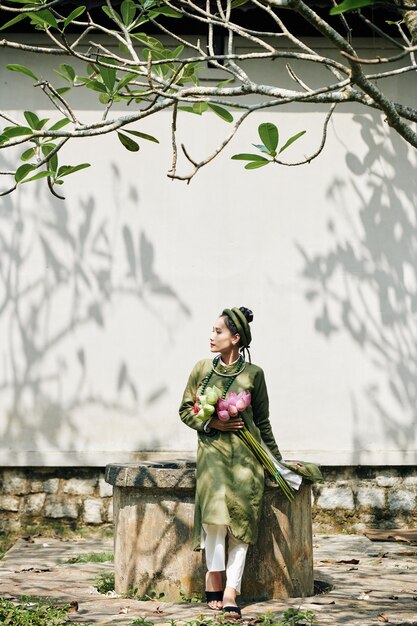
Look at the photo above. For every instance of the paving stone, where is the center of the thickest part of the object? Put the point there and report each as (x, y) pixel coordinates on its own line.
(375, 586)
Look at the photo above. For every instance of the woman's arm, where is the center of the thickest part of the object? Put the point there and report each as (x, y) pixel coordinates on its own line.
(260, 407)
(186, 410)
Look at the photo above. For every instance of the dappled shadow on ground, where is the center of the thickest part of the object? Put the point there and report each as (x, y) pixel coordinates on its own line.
(364, 285)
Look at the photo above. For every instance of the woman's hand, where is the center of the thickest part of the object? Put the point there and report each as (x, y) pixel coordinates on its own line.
(232, 425)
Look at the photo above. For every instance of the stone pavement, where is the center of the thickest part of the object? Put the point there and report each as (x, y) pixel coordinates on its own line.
(373, 583)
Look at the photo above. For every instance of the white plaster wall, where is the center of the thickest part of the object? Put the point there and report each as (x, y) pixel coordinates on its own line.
(107, 298)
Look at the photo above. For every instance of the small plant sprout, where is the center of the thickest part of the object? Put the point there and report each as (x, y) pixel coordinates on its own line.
(269, 147)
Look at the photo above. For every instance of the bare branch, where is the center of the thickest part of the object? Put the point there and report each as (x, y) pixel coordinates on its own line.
(213, 155)
(320, 148)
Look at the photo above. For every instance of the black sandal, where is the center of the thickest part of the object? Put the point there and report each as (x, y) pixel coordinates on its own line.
(214, 596)
(233, 609)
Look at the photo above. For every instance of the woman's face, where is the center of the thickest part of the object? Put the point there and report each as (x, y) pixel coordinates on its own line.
(221, 339)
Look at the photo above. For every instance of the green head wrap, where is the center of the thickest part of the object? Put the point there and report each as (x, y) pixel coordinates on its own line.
(242, 325)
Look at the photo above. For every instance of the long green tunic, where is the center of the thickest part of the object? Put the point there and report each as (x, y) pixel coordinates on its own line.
(230, 481)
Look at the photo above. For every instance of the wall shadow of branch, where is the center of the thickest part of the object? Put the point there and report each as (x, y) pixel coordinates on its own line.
(60, 274)
(365, 284)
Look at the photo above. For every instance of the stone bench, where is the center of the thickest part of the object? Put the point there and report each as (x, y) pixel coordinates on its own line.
(153, 528)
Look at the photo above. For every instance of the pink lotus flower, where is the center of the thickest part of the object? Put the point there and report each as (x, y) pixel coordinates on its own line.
(232, 405)
(222, 405)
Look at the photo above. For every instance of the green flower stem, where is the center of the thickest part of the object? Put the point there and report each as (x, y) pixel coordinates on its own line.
(246, 436)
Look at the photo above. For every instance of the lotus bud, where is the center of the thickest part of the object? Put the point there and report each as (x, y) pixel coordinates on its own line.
(208, 410)
(222, 405)
(211, 396)
(223, 416)
(240, 404)
(232, 410)
(217, 390)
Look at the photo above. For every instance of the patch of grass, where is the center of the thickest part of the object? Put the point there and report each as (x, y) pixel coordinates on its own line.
(92, 557)
(104, 582)
(193, 597)
(152, 595)
(33, 612)
(141, 621)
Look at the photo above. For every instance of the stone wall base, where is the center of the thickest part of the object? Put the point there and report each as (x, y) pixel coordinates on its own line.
(350, 499)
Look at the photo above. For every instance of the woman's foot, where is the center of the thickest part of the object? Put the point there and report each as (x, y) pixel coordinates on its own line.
(230, 607)
(214, 593)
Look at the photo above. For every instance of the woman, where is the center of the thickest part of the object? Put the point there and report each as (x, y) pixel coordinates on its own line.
(230, 481)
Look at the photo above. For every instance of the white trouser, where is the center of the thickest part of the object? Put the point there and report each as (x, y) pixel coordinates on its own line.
(215, 546)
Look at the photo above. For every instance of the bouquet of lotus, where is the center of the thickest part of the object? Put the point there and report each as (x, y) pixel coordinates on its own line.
(230, 407)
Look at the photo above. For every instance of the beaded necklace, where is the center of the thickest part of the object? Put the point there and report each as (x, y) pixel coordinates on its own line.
(240, 366)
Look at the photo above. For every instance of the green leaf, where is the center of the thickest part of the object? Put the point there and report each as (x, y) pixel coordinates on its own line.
(128, 143)
(16, 19)
(110, 14)
(165, 11)
(187, 109)
(42, 174)
(23, 171)
(62, 90)
(269, 136)
(255, 164)
(221, 112)
(128, 11)
(53, 163)
(47, 148)
(13, 67)
(125, 80)
(141, 135)
(249, 157)
(32, 119)
(223, 83)
(108, 74)
(44, 18)
(28, 154)
(200, 107)
(350, 5)
(261, 147)
(73, 16)
(238, 3)
(291, 140)
(16, 131)
(37, 176)
(69, 71)
(95, 85)
(64, 170)
(60, 124)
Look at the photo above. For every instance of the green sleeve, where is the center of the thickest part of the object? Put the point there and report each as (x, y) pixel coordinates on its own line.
(186, 411)
(260, 407)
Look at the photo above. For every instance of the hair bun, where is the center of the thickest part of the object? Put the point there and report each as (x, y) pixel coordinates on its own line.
(247, 313)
